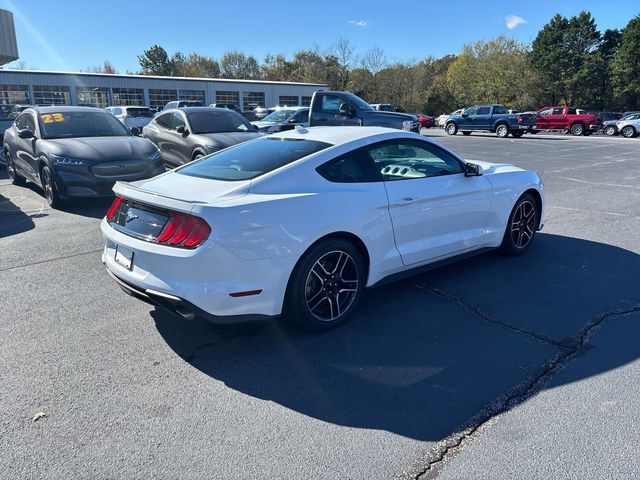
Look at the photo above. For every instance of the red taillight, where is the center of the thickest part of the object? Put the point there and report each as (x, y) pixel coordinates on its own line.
(114, 206)
(184, 231)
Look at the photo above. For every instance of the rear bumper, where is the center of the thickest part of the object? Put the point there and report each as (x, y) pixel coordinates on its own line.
(206, 281)
(595, 128)
(180, 306)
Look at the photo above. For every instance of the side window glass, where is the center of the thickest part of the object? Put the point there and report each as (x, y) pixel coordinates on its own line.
(330, 104)
(484, 111)
(163, 120)
(557, 111)
(353, 167)
(471, 111)
(20, 122)
(176, 121)
(546, 112)
(571, 111)
(405, 160)
(500, 111)
(117, 111)
(302, 116)
(29, 122)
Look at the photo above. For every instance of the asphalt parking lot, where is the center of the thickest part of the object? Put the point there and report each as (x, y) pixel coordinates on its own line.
(493, 367)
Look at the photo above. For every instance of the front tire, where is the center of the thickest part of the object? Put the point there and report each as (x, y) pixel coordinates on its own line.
(325, 286)
(49, 187)
(522, 226)
(610, 131)
(628, 132)
(451, 128)
(14, 176)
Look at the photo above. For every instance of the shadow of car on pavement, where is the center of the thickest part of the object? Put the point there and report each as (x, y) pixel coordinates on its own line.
(416, 359)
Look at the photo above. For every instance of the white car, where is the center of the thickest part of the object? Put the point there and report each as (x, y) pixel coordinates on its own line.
(132, 116)
(301, 222)
(629, 127)
(441, 121)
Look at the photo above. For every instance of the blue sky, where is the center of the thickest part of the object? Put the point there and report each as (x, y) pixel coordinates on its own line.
(73, 35)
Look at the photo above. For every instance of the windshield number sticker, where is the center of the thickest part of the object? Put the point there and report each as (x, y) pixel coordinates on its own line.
(52, 118)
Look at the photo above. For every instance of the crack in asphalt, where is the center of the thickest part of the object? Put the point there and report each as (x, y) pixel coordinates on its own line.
(54, 259)
(486, 318)
(432, 463)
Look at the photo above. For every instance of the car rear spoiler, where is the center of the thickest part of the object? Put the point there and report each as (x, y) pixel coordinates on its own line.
(132, 192)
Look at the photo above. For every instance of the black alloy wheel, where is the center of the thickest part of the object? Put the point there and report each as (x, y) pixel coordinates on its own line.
(522, 226)
(49, 187)
(325, 286)
(14, 176)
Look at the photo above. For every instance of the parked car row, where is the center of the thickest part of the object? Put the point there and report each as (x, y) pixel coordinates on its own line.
(503, 121)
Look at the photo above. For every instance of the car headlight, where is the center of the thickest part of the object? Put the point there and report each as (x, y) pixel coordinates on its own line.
(73, 162)
(156, 155)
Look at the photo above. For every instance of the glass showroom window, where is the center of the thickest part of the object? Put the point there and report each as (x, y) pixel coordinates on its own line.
(288, 101)
(197, 95)
(50, 95)
(251, 100)
(128, 96)
(159, 98)
(11, 95)
(228, 97)
(305, 101)
(93, 96)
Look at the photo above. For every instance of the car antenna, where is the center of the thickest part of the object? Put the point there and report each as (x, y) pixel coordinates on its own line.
(300, 129)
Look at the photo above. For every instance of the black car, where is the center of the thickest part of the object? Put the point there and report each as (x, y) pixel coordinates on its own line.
(76, 152)
(185, 134)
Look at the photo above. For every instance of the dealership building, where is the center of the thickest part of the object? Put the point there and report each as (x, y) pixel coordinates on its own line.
(33, 87)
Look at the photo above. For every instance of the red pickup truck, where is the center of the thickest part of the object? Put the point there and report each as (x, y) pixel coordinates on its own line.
(568, 119)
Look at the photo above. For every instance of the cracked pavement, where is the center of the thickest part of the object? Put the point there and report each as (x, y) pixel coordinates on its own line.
(494, 367)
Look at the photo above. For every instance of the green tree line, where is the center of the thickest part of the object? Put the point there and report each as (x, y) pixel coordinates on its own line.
(569, 62)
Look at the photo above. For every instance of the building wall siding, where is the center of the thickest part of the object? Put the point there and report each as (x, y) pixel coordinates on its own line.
(271, 90)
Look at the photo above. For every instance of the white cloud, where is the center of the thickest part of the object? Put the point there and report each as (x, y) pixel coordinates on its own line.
(513, 21)
(359, 23)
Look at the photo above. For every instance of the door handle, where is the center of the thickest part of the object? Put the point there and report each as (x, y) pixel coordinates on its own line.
(407, 200)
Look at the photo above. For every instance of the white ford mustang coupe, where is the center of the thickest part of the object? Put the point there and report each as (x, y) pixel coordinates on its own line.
(300, 223)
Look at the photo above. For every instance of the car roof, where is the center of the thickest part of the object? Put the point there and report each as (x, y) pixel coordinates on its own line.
(339, 135)
(200, 109)
(65, 109)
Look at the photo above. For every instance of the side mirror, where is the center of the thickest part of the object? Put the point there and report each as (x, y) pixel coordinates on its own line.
(472, 170)
(137, 131)
(346, 110)
(464, 114)
(26, 133)
(182, 130)
(293, 120)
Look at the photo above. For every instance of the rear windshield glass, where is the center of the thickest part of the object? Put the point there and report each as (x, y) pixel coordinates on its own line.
(81, 124)
(139, 112)
(251, 159)
(219, 122)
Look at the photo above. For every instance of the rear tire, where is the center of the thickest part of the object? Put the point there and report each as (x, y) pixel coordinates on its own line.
(628, 132)
(577, 129)
(326, 286)
(502, 131)
(522, 226)
(14, 176)
(451, 128)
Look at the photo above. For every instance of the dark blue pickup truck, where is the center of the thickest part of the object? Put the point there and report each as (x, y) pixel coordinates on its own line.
(490, 118)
